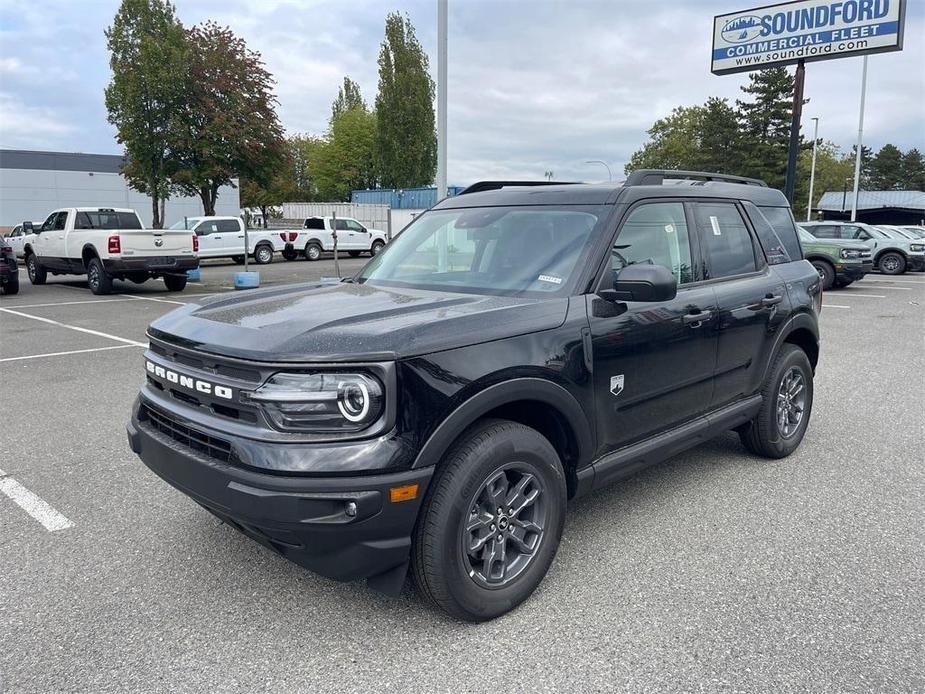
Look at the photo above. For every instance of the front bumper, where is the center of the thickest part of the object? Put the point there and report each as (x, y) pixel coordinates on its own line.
(305, 519)
(915, 262)
(9, 274)
(852, 272)
(154, 264)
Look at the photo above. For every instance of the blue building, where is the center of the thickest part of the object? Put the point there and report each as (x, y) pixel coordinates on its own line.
(402, 198)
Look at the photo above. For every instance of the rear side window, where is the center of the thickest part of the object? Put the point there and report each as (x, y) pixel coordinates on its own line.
(823, 231)
(774, 249)
(725, 239)
(228, 225)
(314, 223)
(781, 221)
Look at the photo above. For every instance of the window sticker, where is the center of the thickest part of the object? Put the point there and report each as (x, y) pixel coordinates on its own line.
(714, 222)
(550, 278)
(669, 228)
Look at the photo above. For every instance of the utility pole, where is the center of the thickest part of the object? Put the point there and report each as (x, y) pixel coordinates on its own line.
(857, 155)
(441, 98)
(812, 171)
(790, 183)
(334, 235)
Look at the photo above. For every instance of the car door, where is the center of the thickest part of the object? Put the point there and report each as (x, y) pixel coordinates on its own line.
(345, 240)
(211, 243)
(652, 362)
(858, 233)
(752, 300)
(49, 244)
(232, 234)
(360, 239)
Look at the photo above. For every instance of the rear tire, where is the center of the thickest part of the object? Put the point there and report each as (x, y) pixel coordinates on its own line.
(778, 428)
(826, 273)
(458, 562)
(11, 287)
(841, 284)
(238, 259)
(175, 283)
(100, 283)
(290, 253)
(37, 274)
(354, 254)
(263, 255)
(891, 263)
(313, 252)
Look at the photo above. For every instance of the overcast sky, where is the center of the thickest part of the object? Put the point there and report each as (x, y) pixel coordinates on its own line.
(534, 85)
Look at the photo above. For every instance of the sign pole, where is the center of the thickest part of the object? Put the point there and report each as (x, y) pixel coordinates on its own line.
(790, 183)
(334, 236)
(441, 99)
(812, 172)
(857, 155)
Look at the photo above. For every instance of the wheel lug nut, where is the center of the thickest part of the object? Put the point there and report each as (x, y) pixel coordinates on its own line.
(500, 510)
(493, 527)
(500, 538)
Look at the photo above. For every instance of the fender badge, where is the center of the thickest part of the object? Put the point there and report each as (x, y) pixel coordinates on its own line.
(616, 384)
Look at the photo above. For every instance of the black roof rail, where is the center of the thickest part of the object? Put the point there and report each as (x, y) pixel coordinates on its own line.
(497, 185)
(654, 177)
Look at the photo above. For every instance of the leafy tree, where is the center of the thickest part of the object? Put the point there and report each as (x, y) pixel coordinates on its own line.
(407, 138)
(765, 124)
(886, 169)
(348, 97)
(913, 170)
(720, 143)
(833, 169)
(266, 196)
(866, 157)
(304, 153)
(228, 126)
(347, 160)
(148, 55)
(673, 142)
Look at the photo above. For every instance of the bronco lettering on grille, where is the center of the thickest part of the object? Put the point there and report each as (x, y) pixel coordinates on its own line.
(189, 382)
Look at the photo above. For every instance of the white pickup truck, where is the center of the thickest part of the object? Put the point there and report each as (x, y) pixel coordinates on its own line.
(107, 244)
(223, 237)
(352, 237)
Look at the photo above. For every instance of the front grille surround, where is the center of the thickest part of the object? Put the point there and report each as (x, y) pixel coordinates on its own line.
(187, 436)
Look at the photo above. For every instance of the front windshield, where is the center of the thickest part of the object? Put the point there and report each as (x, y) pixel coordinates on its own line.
(489, 250)
(187, 223)
(891, 234)
(916, 233)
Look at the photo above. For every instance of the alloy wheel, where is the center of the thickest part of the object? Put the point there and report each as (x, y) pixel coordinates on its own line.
(505, 526)
(791, 402)
(93, 276)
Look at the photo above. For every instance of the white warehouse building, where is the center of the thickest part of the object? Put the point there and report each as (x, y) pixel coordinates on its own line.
(32, 184)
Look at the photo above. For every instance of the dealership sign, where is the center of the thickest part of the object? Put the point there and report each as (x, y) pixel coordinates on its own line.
(805, 30)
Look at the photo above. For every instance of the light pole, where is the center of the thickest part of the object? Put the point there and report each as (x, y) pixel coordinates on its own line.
(859, 152)
(441, 98)
(604, 164)
(812, 171)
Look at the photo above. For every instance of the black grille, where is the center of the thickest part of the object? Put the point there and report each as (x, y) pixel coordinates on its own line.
(166, 424)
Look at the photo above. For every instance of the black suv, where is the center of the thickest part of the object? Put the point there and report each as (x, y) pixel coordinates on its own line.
(9, 269)
(514, 347)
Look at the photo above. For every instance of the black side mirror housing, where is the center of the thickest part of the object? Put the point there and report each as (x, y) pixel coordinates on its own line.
(642, 283)
(27, 228)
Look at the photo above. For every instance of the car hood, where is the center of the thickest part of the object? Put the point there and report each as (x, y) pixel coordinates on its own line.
(351, 322)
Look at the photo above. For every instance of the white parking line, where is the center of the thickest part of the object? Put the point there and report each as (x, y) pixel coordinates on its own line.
(868, 278)
(62, 354)
(863, 296)
(74, 327)
(151, 298)
(834, 306)
(69, 303)
(892, 289)
(34, 505)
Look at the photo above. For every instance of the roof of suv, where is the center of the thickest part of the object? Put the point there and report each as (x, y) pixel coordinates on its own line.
(663, 184)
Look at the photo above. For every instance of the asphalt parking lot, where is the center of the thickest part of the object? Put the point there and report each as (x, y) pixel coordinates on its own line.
(713, 571)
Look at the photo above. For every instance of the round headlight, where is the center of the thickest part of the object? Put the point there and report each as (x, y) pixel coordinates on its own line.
(353, 400)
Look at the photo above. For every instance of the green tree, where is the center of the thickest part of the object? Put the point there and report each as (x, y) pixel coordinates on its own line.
(833, 169)
(148, 56)
(406, 134)
(913, 170)
(228, 126)
(885, 169)
(347, 161)
(348, 97)
(719, 141)
(266, 196)
(673, 142)
(764, 119)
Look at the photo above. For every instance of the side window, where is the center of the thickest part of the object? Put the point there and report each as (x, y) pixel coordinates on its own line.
(851, 231)
(61, 221)
(341, 225)
(228, 225)
(824, 231)
(314, 223)
(655, 234)
(725, 240)
(354, 225)
(50, 222)
(206, 228)
(781, 221)
(774, 249)
(82, 221)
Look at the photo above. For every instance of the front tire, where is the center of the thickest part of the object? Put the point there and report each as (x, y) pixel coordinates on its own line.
(175, 283)
(491, 522)
(263, 255)
(780, 424)
(354, 254)
(37, 274)
(826, 274)
(892, 263)
(11, 287)
(238, 259)
(376, 248)
(100, 283)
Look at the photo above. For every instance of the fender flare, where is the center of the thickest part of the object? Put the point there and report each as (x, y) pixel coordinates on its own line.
(27, 249)
(503, 393)
(316, 241)
(802, 320)
(889, 250)
(91, 248)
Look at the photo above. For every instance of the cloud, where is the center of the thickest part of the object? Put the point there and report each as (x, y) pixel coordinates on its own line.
(32, 127)
(529, 92)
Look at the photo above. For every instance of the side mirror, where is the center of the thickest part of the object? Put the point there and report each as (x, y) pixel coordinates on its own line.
(27, 228)
(642, 283)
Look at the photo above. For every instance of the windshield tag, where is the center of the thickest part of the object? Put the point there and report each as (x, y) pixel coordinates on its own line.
(714, 222)
(550, 278)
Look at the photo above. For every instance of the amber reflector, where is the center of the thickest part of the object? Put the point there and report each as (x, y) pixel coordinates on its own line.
(406, 492)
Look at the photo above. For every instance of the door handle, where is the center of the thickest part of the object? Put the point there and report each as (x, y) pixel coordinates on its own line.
(240, 236)
(217, 237)
(695, 320)
(771, 300)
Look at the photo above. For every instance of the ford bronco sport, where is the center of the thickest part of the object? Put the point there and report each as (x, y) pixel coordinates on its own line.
(514, 347)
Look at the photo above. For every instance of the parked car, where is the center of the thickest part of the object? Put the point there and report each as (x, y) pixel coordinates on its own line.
(223, 237)
(918, 232)
(893, 230)
(16, 240)
(892, 256)
(515, 346)
(9, 269)
(839, 263)
(106, 244)
(352, 237)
